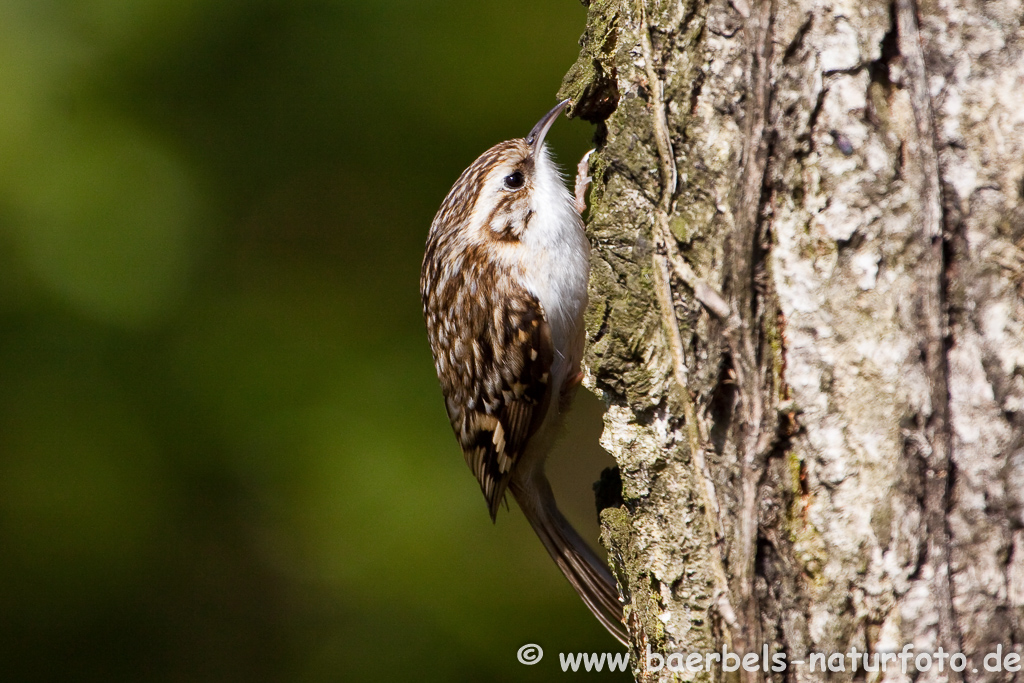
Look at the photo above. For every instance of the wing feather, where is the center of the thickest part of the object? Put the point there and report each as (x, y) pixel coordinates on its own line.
(494, 366)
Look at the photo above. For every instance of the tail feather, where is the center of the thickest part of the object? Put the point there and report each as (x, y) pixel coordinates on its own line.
(580, 565)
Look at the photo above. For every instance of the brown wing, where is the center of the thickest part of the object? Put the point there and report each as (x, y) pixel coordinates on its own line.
(509, 406)
(493, 352)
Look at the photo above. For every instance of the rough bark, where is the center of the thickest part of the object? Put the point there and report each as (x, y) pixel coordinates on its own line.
(807, 320)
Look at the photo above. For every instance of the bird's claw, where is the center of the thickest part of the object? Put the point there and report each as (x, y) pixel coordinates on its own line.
(583, 182)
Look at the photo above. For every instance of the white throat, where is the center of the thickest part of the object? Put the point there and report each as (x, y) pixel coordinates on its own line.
(558, 256)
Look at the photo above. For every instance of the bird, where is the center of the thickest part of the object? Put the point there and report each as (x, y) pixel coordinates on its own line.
(504, 289)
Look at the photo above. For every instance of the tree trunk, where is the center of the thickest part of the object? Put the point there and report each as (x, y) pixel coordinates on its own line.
(807, 320)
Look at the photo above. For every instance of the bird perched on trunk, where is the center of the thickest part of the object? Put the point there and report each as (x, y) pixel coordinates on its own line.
(504, 287)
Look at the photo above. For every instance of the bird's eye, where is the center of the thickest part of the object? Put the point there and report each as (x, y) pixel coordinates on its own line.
(514, 181)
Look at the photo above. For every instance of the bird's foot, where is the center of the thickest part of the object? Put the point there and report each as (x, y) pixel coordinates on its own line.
(583, 182)
(569, 387)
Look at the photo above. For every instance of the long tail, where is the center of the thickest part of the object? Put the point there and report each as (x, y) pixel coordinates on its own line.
(585, 571)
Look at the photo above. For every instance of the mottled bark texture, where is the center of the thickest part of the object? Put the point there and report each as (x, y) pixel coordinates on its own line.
(807, 319)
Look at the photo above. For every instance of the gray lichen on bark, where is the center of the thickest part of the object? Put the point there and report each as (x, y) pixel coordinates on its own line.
(830, 454)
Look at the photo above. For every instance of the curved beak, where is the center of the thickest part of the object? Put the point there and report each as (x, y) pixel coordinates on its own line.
(536, 137)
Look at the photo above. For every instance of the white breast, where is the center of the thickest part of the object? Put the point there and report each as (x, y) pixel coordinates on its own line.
(557, 264)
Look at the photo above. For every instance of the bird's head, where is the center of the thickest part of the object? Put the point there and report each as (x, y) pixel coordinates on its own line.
(496, 197)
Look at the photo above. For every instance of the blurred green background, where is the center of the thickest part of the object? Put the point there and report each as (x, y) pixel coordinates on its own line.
(223, 451)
